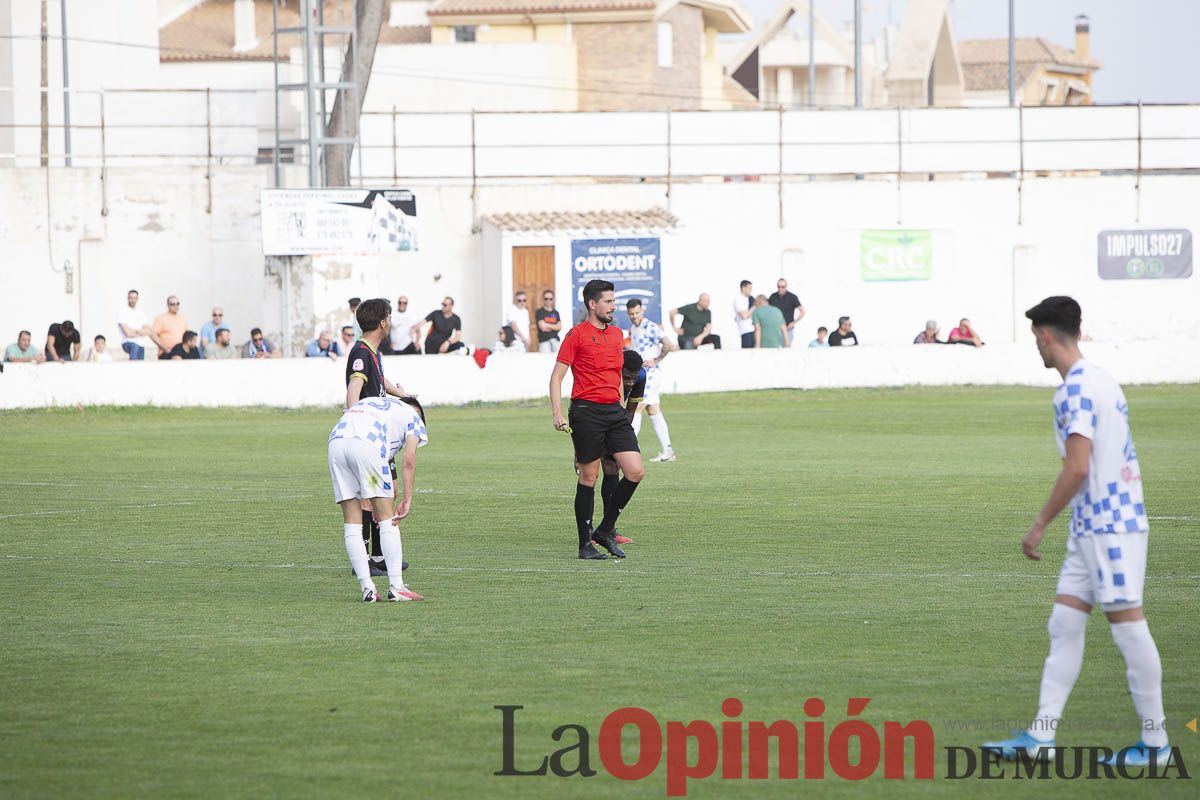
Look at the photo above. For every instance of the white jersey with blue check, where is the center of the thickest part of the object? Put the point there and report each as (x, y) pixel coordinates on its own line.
(1106, 552)
(368, 435)
(647, 340)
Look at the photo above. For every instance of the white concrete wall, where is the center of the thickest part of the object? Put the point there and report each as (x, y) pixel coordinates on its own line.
(159, 237)
(452, 379)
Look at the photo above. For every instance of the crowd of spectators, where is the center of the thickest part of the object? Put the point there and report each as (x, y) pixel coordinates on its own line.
(762, 321)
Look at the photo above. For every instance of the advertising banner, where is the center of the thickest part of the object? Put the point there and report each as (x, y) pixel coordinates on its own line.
(1144, 254)
(344, 220)
(896, 255)
(633, 265)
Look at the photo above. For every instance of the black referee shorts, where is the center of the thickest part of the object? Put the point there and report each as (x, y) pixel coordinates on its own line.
(598, 429)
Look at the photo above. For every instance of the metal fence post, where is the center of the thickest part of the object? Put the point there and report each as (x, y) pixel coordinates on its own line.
(780, 166)
(899, 165)
(209, 155)
(1137, 186)
(1021, 166)
(395, 166)
(103, 161)
(668, 159)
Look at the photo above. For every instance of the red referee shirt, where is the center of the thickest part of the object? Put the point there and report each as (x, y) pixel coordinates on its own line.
(595, 357)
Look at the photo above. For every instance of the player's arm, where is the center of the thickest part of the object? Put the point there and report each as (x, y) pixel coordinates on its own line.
(1074, 470)
(408, 472)
(354, 389)
(665, 346)
(556, 379)
(394, 389)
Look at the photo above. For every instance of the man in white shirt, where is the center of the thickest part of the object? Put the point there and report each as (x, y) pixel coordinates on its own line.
(743, 310)
(136, 334)
(403, 324)
(1101, 481)
(517, 317)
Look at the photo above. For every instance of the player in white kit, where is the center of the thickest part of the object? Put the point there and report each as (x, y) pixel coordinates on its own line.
(646, 337)
(369, 434)
(1106, 547)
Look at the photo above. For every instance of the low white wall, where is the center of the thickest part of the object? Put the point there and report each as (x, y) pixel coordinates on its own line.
(441, 380)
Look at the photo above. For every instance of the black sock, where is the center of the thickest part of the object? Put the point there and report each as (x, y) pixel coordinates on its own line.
(607, 487)
(367, 522)
(620, 499)
(585, 502)
(376, 547)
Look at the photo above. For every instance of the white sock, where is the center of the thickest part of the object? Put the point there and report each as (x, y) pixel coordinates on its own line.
(1067, 627)
(358, 555)
(1143, 669)
(393, 552)
(660, 429)
(637, 423)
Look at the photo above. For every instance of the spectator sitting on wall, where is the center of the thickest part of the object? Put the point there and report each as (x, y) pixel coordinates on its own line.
(222, 348)
(743, 310)
(136, 333)
(507, 342)
(965, 334)
(23, 351)
(404, 324)
(517, 318)
(62, 342)
(821, 340)
(549, 323)
(445, 330)
(790, 305)
(346, 341)
(354, 303)
(843, 336)
(323, 345)
(169, 327)
(98, 353)
(929, 335)
(208, 331)
(770, 328)
(187, 349)
(697, 324)
(260, 346)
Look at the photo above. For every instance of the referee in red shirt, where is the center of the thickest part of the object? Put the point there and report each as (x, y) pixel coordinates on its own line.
(595, 351)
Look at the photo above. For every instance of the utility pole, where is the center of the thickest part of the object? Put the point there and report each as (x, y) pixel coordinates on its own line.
(347, 104)
(812, 53)
(858, 53)
(66, 86)
(45, 143)
(1012, 58)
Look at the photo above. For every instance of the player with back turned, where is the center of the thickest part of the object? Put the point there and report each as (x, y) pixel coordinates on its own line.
(365, 378)
(594, 352)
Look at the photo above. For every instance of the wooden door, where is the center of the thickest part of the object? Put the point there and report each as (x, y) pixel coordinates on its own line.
(533, 273)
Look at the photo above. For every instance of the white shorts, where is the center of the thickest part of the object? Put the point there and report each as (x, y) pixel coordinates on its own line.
(358, 470)
(653, 382)
(1105, 569)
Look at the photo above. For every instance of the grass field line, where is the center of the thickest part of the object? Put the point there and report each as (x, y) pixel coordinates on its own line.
(158, 562)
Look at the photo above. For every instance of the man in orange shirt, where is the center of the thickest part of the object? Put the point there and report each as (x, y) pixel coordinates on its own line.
(594, 352)
(169, 327)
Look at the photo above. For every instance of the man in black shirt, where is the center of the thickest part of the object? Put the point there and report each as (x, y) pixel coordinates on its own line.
(364, 378)
(789, 304)
(186, 349)
(843, 336)
(63, 342)
(445, 329)
(549, 323)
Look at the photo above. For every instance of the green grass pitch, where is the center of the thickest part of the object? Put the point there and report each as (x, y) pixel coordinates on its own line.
(179, 618)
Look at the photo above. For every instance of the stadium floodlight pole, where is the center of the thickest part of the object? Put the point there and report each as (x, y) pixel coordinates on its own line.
(1012, 60)
(858, 53)
(310, 109)
(812, 50)
(66, 86)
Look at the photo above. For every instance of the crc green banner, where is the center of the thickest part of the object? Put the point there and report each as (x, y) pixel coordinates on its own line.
(896, 255)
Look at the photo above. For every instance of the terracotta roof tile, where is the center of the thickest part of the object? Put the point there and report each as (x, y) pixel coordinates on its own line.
(583, 220)
(448, 7)
(205, 33)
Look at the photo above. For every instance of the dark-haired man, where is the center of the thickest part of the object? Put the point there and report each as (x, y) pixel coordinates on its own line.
(1101, 481)
(445, 330)
(365, 378)
(593, 351)
(63, 342)
(844, 336)
(188, 349)
(260, 346)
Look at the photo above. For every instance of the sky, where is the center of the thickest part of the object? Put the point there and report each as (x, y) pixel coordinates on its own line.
(1147, 47)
